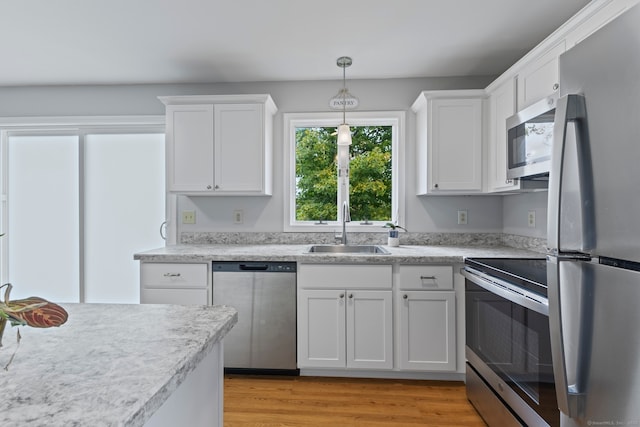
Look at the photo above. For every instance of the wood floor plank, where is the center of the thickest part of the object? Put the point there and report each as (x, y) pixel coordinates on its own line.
(350, 402)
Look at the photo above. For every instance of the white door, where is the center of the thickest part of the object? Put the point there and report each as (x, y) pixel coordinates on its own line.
(239, 156)
(42, 216)
(78, 207)
(456, 133)
(123, 208)
(427, 330)
(190, 147)
(321, 329)
(369, 329)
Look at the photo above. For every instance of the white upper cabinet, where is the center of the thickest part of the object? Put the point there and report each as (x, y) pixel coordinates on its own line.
(449, 142)
(540, 77)
(502, 104)
(219, 145)
(189, 147)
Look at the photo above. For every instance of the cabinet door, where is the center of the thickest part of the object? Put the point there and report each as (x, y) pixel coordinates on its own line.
(427, 330)
(540, 78)
(239, 148)
(175, 296)
(456, 145)
(321, 329)
(190, 148)
(502, 104)
(369, 329)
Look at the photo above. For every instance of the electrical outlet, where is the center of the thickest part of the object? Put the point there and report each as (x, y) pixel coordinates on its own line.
(462, 217)
(531, 219)
(238, 216)
(188, 217)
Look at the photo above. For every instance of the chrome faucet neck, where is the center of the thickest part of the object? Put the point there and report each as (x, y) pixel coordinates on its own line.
(346, 217)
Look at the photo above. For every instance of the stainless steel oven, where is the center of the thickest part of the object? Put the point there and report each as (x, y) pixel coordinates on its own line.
(508, 348)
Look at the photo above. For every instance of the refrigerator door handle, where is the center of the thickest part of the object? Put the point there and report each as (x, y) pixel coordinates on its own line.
(570, 396)
(569, 108)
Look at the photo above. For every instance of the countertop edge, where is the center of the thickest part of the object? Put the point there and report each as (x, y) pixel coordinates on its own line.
(297, 253)
(144, 413)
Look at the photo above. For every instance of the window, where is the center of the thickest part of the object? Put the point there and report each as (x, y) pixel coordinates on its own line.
(323, 176)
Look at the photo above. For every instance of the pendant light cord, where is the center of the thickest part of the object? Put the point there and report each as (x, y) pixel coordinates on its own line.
(344, 91)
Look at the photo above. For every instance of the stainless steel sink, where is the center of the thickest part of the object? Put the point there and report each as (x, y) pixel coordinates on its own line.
(348, 249)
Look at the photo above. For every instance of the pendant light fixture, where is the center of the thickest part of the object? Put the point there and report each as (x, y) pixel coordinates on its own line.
(344, 133)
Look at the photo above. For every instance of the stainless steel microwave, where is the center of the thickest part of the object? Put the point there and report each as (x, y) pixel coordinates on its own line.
(529, 140)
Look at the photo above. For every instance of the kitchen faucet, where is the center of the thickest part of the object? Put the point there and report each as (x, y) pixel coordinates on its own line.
(346, 217)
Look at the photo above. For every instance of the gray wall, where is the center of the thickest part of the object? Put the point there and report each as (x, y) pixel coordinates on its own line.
(423, 214)
(515, 214)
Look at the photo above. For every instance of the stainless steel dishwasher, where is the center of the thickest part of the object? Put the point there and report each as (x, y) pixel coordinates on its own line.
(264, 293)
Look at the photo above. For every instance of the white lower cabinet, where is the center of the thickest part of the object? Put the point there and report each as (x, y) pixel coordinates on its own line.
(344, 327)
(426, 316)
(175, 283)
(427, 330)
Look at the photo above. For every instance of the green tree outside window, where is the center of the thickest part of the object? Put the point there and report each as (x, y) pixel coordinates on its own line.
(369, 180)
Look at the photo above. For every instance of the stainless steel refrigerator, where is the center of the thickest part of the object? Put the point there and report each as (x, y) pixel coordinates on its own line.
(594, 229)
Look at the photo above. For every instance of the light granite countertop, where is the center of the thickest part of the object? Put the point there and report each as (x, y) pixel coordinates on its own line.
(108, 365)
(298, 252)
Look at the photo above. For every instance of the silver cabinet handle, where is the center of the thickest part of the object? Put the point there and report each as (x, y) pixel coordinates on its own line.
(171, 274)
(163, 230)
(556, 86)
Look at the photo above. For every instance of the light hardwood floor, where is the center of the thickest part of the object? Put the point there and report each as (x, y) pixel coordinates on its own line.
(314, 401)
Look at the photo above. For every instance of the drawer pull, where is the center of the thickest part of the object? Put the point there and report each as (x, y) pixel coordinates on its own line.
(171, 274)
(405, 296)
(427, 277)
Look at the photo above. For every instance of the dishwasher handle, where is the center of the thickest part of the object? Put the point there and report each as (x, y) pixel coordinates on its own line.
(253, 267)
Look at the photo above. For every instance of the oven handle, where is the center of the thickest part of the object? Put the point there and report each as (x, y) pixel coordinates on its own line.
(500, 288)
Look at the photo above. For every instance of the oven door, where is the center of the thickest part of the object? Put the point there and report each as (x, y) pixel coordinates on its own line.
(508, 344)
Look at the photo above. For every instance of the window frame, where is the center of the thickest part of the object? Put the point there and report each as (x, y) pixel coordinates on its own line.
(395, 119)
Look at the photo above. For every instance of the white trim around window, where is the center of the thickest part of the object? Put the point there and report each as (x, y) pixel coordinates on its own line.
(396, 119)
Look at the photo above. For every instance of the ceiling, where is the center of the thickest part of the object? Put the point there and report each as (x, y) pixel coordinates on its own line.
(61, 42)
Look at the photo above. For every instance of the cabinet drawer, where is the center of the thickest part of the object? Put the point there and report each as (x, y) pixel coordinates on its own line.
(344, 276)
(164, 275)
(426, 277)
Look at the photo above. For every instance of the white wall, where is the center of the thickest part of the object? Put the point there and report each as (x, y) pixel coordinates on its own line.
(516, 211)
(423, 214)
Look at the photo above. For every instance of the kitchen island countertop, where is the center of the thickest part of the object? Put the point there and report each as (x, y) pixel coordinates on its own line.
(108, 365)
(298, 252)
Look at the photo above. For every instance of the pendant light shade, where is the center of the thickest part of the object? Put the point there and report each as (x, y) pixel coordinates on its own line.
(344, 134)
